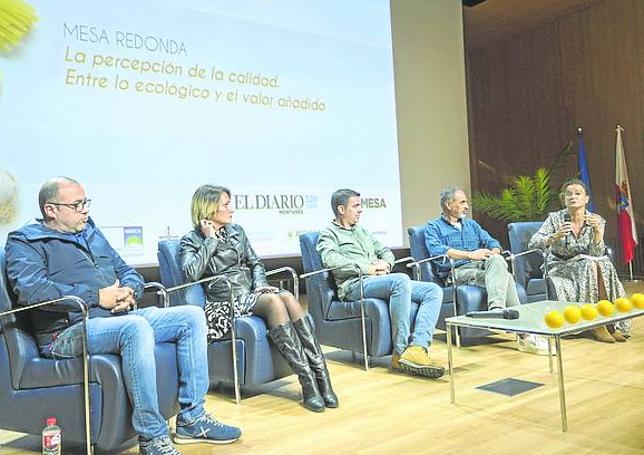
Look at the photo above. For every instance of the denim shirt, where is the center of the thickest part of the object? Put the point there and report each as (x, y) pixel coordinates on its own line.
(441, 235)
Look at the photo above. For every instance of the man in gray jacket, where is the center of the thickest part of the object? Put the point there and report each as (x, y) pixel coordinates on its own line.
(345, 243)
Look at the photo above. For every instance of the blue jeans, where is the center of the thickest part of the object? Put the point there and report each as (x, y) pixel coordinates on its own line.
(399, 290)
(133, 337)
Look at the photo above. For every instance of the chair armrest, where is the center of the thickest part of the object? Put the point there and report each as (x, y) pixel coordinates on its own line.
(163, 291)
(433, 258)
(416, 264)
(403, 260)
(355, 267)
(154, 285)
(294, 277)
(512, 258)
(79, 302)
(523, 253)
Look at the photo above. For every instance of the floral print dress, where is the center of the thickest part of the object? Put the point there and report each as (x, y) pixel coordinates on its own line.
(571, 265)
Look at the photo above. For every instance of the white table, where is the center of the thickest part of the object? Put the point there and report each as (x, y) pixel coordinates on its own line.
(532, 321)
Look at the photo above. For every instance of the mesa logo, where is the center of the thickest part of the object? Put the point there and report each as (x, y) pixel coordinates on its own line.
(285, 204)
(373, 203)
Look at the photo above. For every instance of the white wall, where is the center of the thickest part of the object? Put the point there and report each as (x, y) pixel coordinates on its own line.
(429, 69)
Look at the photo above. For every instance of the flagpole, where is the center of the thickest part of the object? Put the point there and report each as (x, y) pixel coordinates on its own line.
(619, 151)
(582, 166)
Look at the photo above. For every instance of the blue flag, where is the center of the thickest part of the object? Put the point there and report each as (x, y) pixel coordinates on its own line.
(584, 176)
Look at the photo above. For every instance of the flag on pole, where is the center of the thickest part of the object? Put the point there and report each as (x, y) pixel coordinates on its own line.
(625, 219)
(584, 176)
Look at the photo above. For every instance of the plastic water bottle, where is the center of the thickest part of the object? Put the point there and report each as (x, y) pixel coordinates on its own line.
(51, 440)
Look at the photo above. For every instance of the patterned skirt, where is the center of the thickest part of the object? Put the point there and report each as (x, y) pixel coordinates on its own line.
(575, 280)
(218, 313)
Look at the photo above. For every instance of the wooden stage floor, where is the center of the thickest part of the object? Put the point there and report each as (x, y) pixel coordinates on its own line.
(387, 413)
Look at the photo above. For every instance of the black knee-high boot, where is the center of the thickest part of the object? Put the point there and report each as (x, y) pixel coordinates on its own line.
(312, 350)
(288, 343)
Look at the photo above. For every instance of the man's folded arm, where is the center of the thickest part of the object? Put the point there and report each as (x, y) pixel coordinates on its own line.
(383, 252)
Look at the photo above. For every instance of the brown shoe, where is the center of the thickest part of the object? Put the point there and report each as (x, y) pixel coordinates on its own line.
(415, 361)
(395, 362)
(618, 336)
(602, 334)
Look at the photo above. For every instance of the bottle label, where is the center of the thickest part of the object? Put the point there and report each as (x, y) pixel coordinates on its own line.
(51, 441)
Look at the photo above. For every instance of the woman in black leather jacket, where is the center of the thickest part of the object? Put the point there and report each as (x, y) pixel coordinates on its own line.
(216, 246)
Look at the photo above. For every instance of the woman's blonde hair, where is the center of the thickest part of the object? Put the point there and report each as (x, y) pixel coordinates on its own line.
(205, 202)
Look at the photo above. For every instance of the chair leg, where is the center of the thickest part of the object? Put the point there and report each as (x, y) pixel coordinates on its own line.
(455, 304)
(363, 326)
(233, 336)
(86, 397)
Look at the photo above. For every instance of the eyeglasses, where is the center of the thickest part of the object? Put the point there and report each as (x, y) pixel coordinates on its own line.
(76, 206)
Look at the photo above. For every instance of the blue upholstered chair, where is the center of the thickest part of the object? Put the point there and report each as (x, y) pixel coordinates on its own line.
(457, 299)
(33, 388)
(258, 362)
(357, 327)
(526, 263)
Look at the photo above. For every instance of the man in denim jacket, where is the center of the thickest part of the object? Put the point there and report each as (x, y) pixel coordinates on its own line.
(477, 257)
(66, 254)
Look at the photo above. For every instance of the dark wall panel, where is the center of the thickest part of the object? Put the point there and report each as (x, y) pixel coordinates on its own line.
(528, 92)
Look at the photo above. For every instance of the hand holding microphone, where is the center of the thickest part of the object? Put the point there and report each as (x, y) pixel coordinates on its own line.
(567, 227)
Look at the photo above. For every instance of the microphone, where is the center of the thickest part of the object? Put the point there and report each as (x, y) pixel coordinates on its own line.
(494, 314)
(566, 220)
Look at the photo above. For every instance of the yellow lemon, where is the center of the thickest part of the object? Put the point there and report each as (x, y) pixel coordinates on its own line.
(623, 305)
(588, 312)
(638, 300)
(605, 307)
(572, 314)
(554, 319)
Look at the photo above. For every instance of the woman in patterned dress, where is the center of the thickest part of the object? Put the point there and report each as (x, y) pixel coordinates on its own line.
(577, 263)
(216, 246)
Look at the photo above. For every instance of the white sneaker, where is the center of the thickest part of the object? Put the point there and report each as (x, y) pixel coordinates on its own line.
(533, 344)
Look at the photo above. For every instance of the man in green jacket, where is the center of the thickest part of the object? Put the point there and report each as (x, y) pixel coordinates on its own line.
(345, 243)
